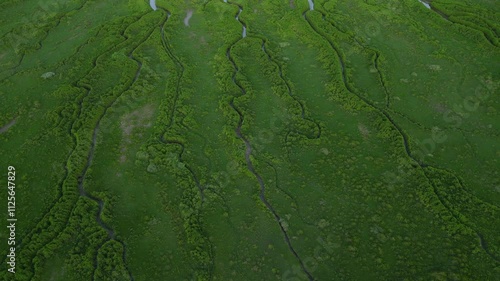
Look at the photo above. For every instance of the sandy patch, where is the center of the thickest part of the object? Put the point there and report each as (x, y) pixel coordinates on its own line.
(129, 123)
(363, 130)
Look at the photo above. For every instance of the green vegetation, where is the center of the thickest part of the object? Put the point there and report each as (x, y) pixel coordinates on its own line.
(355, 141)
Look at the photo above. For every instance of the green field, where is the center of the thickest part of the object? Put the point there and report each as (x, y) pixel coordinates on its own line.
(250, 140)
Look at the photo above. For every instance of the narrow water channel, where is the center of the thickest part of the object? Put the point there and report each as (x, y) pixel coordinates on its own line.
(425, 4)
(248, 147)
(311, 4)
(244, 32)
(152, 3)
(189, 14)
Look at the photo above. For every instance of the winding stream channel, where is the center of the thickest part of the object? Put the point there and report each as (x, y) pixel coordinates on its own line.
(90, 156)
(162, 138)
(418, 164)
(289, 89)
(237, 17)
(248, 146)
(446, 17)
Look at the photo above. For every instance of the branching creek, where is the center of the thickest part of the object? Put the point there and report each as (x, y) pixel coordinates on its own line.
(162, 139)
(238, 132)
(72, 133)
(24, 52)
(81, 178)
(248, 146)
(428, 4)
(384, 111)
